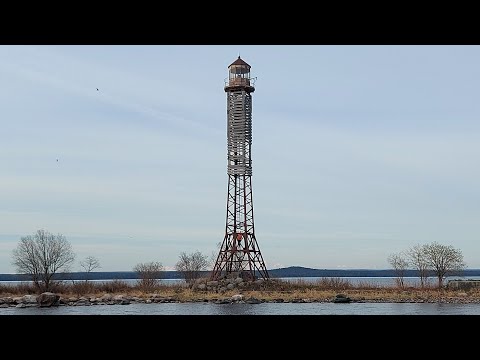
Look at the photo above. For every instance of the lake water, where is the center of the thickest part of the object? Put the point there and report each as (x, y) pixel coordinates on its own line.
(253, 309)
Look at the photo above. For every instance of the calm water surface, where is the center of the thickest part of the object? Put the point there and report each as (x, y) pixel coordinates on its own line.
(253, 309)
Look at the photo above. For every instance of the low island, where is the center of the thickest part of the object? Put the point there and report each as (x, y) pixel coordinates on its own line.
(232, 290)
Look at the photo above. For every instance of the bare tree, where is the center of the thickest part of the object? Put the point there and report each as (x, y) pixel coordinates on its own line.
(191, 265)
(41, 256)
(89, 264)
(444, 260)
(417, 257)
(149, 274)
(399, 265)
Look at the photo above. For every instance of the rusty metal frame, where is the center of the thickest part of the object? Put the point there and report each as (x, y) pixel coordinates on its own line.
(239, 252)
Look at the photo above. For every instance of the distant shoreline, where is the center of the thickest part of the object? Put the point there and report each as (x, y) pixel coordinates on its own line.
(289, 272)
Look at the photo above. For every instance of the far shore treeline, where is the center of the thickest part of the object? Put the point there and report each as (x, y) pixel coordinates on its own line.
(289, 272)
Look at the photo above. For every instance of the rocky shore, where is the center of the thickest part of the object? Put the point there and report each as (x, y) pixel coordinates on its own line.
(234, 290)
(50, 299)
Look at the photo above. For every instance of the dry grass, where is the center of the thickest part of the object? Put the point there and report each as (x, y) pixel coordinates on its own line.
(323, 289)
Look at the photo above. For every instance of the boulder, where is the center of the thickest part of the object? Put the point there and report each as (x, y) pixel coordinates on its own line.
(237, 297)
(48, 299)
(29, 299)
(230, 286)
(223, 301)
(107, 297)
(341, 299)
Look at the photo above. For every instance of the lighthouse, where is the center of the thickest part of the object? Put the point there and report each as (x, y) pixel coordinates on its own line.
(239, 253)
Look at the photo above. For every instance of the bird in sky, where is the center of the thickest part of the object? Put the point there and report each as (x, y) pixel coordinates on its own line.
(97, 89)
(57, 160)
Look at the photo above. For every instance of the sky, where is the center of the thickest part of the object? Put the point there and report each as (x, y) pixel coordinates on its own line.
(358, 152)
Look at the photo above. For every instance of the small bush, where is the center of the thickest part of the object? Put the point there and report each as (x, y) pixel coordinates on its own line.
(114, 286)
(333, 283)
(83, 287)
(149, 274)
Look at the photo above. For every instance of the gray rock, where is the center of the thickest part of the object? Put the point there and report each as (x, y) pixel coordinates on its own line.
(21, 305)
(237, 297)
(253, 300)
(4, 305)
(202, 287)
(107, 297)
(341, 299)
(231, 286)
(17, 299)
(82, 303)
(212, 283)
(48, 299)
(29, 299)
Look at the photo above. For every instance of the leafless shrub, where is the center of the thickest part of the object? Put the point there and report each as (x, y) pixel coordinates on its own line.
(399, 264)
(191, 265)
(114, 286)
(333, 283)
(149, 274)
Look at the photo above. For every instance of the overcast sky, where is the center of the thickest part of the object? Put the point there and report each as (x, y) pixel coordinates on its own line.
(358, 151)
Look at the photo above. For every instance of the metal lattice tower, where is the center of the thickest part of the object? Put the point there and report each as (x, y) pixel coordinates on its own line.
(239, 253)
